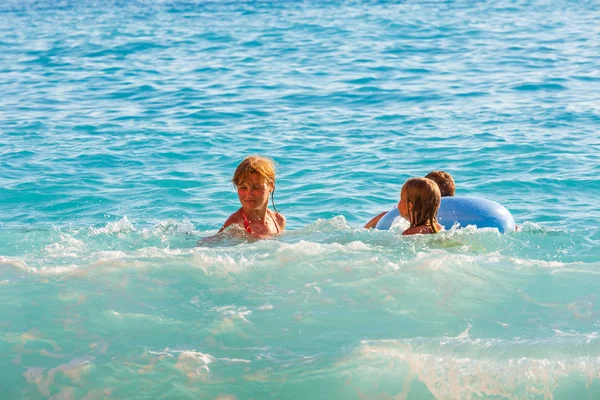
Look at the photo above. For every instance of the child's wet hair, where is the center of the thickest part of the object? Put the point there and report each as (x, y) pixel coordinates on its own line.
(444, 181)
(425, 197)
(263, 166)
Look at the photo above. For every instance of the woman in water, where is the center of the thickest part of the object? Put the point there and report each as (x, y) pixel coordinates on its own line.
(254, 179)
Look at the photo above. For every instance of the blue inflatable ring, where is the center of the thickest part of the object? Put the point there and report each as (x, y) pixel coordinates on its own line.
(465, 211)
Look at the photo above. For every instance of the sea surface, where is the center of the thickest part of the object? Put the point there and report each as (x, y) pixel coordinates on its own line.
(121, 124)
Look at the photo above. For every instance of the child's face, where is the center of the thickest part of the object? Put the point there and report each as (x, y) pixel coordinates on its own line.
(254, 193)
(403, 207)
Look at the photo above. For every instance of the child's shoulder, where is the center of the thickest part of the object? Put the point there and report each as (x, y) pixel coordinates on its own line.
(422, 229)
(413, 230)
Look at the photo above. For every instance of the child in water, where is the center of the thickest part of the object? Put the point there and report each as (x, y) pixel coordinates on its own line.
(445, 183)
(254, 179)
(419, 203)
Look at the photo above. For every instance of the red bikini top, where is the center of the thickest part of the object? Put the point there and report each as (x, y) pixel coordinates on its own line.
(247, 223)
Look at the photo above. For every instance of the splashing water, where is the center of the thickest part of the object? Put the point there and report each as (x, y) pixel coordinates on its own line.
(121, 125)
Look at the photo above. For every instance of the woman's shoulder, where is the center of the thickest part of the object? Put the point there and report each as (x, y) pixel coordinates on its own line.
(234, 218)
(280, 219)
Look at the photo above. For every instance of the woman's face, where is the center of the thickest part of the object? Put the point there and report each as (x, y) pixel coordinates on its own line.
(254, 193)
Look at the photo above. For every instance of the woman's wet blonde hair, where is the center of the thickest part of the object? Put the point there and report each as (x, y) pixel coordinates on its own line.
(424, 195)
(263, 166)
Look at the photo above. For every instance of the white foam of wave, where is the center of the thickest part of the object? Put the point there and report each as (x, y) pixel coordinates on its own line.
(470, 229)
(109, 255)
(335, 224)
(55, 271)
(230, 314)
(43, 271)
(193, 364)
(537, 263)
(556, 266)
(234, 360)
(203, 358)
(221, 264)
(235, 312)
(439, 259)
(155, 319)
(69, 247)
(107, 262)
(14, 263)
(453, 376)
(306, 248)
(589, 337)
(232, 310)
(170, 226)
(364, 256)
(101, 259)
(532, 227)
(114, 228)
(157, 252)
(135, 255)
(399, 224)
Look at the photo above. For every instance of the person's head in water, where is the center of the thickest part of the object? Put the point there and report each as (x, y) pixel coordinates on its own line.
(419, 203)
(254, 179)
(444, 181)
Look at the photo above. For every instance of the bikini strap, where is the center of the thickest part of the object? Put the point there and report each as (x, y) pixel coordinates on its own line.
(246, 222)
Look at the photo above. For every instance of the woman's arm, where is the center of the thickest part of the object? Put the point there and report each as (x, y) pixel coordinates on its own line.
(281, 221)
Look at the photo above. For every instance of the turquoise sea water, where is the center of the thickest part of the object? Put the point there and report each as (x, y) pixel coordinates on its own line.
(121, 124)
